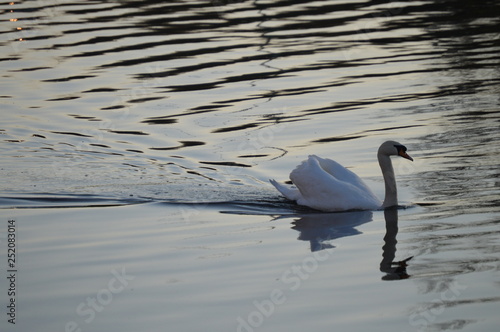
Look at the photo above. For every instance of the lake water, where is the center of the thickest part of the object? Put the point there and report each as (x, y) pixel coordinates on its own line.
(137, 140)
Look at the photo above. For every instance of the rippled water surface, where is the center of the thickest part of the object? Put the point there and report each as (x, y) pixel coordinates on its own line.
(137, 138)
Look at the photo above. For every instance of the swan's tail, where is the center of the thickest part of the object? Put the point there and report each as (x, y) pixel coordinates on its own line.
(290, 193)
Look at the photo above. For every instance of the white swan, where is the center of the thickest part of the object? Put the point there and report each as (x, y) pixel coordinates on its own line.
(325, 185)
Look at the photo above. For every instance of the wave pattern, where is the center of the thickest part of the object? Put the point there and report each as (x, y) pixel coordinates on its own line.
(101, 92)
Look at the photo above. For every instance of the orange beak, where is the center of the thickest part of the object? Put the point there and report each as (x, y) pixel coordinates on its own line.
(405, 155)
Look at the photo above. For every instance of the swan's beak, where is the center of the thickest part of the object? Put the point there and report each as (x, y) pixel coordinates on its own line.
(405, 155)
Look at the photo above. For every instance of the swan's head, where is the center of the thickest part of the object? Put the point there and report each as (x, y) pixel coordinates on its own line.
(392, 148)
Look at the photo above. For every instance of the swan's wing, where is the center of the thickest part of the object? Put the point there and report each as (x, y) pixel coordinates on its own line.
(341, 173)
(322, 190)
(314, 182)
(289, 192)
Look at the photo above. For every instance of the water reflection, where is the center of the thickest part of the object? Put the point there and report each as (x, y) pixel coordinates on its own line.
(320, 229)
(394, 270)
(193, 83)
(178, 100)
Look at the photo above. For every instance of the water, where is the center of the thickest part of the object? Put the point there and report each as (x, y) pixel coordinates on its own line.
(138, 137)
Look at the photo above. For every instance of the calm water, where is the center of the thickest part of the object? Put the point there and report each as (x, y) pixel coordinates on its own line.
(137, 138)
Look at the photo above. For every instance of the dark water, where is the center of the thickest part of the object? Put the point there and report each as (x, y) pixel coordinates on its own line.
(107, 97)
(190, 106)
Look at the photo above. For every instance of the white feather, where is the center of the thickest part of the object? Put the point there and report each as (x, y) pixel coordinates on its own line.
(325, 185)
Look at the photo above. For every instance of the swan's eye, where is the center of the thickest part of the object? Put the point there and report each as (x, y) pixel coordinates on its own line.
(400, 147)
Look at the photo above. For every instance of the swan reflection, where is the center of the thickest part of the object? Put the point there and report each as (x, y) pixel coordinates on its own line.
(321, 228)
(394, 270)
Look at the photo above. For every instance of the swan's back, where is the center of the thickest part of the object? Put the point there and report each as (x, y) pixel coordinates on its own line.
(328, 186)
(340, 172)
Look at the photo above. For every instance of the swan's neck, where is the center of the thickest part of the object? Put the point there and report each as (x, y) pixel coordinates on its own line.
(391, 192)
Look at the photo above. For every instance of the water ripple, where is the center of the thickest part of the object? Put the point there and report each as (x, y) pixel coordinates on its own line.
(234, 84)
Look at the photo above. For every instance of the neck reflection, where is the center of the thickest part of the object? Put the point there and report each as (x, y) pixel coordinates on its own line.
(322, 228)
(394, 270)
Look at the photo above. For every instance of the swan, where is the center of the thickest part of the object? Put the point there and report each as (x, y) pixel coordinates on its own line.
(325, 185)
